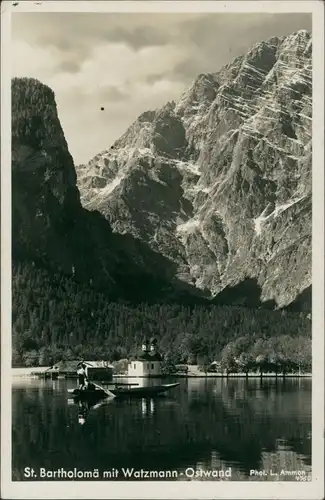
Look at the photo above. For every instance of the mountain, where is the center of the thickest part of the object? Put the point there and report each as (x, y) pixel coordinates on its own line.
(50, 228)
(219, 183)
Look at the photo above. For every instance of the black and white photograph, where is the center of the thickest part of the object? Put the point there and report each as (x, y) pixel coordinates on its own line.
(161, 290)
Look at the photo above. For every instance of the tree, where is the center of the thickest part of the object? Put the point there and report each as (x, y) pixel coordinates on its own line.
(301, 353)
(284, 353)
(262, 363)
(204, 363)
(30, 358)
(228, 359)
(246, 362)
(16, 358)
(48, 306)
(168, 365)
(242, 345)
(44, 357)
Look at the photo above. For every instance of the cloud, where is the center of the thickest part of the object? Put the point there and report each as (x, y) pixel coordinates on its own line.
(105, 68)
(32, 61)
(80, 33)
(114, 94)
(128, 63)
(68, 67)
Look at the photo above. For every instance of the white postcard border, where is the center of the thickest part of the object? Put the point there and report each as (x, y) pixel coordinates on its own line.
(168, 490)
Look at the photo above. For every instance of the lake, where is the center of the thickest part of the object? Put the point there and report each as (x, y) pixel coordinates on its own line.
(203, 425)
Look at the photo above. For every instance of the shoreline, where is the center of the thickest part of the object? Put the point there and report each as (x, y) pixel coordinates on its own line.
(222, 375)
(33, 372)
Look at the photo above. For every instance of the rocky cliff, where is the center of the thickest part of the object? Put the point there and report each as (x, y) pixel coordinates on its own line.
(51, 229)
(219, 183)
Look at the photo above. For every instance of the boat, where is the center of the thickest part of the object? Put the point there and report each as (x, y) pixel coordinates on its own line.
(121, 391)
(92, 392)
(95, 392)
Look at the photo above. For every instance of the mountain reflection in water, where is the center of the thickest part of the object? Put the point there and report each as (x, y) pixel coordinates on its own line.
(203, 423)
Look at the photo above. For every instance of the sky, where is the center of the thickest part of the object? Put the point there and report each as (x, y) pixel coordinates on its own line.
(128, 63)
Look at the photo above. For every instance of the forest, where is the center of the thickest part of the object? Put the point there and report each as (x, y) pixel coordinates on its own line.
(54, 318)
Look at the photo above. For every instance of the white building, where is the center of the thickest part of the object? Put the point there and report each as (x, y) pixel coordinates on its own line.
(148, 363)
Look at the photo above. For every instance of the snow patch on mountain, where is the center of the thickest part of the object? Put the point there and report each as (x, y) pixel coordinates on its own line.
(279, 209)
(188, 226)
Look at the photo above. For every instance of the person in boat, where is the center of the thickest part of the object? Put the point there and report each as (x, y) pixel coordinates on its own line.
(82, 376)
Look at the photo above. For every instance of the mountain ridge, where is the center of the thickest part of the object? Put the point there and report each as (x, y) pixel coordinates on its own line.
(220, 181)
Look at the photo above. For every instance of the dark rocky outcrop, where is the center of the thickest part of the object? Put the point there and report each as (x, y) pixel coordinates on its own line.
(51, 229)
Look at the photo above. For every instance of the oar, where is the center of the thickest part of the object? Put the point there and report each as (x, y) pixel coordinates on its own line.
(109, 393)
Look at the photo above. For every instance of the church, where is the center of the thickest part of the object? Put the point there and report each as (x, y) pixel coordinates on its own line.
(148, 363)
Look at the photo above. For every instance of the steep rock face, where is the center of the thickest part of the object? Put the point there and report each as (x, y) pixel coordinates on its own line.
(49, 225)
(220, 182)
(45, 199)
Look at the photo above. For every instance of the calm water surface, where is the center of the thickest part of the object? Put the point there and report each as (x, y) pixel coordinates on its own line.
(202, 424)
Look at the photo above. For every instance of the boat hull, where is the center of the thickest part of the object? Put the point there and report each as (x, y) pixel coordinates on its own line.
(121, 392)
(86, 395)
